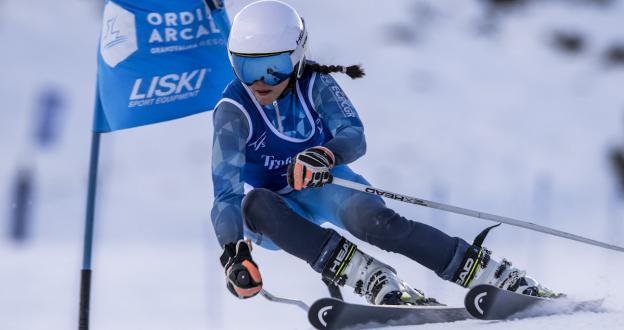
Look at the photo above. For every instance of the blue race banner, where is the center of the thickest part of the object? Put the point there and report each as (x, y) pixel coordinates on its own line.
(160, 60)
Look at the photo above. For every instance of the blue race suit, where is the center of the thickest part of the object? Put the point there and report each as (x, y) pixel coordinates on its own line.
(252, 147)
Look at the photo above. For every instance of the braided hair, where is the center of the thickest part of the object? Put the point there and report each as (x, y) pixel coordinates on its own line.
(353, 71)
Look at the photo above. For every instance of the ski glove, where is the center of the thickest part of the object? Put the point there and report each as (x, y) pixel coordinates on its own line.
(242, 275)
(311, 168)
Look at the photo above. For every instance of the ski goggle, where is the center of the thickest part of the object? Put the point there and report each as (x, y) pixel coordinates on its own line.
(272, 69)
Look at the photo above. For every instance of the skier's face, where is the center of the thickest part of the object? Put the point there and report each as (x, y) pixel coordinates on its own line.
(266, 94)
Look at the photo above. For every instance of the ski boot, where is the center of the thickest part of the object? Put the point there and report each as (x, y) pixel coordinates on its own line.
(478, 267)
(370, 278)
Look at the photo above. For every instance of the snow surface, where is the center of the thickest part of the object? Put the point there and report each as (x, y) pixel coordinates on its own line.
(499, 122)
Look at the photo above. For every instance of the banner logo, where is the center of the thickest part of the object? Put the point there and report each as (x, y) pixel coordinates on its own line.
(183, 30)
(118, 40)
(166, 89)
(159, 60)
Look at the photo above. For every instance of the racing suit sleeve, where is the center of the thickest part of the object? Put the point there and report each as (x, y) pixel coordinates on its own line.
(339, 115)
(231, 130)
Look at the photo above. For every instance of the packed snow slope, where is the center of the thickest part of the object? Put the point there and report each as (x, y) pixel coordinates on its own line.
(458, 109)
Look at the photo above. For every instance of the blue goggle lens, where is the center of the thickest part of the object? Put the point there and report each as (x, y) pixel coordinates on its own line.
(272, 69)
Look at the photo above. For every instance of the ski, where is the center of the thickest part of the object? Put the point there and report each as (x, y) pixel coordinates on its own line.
(488, 302)
(330, 313)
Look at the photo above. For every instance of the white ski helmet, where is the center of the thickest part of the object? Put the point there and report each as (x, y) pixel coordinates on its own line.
(263, 29)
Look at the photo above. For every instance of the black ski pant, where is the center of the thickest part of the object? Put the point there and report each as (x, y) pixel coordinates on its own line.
(292, 222)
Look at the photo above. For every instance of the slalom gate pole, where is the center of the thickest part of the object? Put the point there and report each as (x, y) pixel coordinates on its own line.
(471, 213)
(85, 274)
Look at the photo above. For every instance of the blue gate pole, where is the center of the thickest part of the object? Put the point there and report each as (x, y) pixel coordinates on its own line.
(85, 275)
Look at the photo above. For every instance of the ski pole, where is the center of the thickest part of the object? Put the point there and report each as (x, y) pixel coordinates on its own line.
(471, 213)
(270, 297)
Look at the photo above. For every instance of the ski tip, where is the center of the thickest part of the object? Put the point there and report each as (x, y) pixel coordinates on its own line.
(488, 302)
(478, 301)
(324, 313)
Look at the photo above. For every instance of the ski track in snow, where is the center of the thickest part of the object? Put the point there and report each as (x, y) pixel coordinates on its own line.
(502, 124)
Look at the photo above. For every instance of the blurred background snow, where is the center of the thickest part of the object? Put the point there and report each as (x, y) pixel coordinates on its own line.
(506, 106)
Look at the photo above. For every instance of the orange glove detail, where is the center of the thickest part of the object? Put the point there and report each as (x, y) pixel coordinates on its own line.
(241, 273)
(311, 168)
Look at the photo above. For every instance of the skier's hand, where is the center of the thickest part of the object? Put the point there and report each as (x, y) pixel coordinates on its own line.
(242, 274)
(311, 168)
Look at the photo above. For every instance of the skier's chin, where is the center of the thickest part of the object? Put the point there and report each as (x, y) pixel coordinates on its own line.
(266, 94)
(265, 98)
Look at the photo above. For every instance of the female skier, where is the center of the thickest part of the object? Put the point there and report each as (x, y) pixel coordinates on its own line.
(281, 130)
